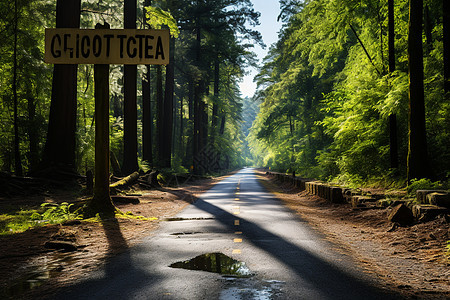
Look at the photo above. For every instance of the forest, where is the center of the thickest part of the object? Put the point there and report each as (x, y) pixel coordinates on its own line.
(353, 92)
(182, 117)
(357, 92)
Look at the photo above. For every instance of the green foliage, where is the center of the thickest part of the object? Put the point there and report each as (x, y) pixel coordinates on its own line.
(130, 215)
(48, 213)
(423, 184)
(18, 221)
(325, 102)
(157, 18)
(58, 213)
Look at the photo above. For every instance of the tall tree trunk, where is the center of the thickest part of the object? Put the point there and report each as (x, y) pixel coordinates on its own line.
(181, 126)
(428, 26)
(61, 139)
(417, 146)
(197, 115)
(393, 134)
(215, 108)
(196, 137)
(168, 109)
(190, 126)
(17, 159)
(147, 118)
(159, 117)
(191, 99)
(222, 124)
(32, 133)
(204, 125)
(101, 202)
(446, 9)
(130, 142)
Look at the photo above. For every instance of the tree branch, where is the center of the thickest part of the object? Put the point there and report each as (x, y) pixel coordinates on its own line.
(365, 50)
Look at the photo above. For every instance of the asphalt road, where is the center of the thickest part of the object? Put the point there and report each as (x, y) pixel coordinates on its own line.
(278, 255)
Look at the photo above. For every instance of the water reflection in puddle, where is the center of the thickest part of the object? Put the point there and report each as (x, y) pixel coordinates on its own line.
(251, 289)
(215, 263)
(37, 276)
(176, 219)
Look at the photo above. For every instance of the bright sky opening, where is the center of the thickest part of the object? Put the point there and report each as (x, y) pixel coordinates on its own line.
(269, 28)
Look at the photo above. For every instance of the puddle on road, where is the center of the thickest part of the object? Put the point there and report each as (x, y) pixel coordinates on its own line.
(216, 263)
(186, 219)
(251, 289)
(186, 233)
(37, 276)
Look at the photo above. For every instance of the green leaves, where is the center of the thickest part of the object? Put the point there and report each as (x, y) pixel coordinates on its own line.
(58, 213)
(157, 18)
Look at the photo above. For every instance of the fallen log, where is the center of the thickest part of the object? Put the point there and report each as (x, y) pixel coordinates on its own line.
(126, 181)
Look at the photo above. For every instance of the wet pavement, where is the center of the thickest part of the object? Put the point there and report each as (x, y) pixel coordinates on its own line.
(236, 242)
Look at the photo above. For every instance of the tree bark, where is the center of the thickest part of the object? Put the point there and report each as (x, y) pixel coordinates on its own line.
(61, 140)
(222, 124)
(33, 135)
(196, 137)
(147, 119)
(428, 26)
(168, 110)
(417, 146)
(215, 108)
(197, 113)
(159, 117)
(130, 143)
(101, 202)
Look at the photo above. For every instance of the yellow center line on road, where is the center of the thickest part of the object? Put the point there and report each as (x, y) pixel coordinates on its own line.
(237, 211)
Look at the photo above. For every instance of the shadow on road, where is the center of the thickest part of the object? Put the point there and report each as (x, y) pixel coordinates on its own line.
(126, 278)
(323, 275)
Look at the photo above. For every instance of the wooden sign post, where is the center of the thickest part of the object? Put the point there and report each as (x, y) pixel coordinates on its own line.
(102, 47)
(101, 202)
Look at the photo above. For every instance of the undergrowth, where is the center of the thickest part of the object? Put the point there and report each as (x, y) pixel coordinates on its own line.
(50, 213)
(425, 184)
(47, 213)
(448, 249)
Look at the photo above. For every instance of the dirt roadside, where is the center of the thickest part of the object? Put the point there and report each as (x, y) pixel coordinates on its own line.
(30, 271)
(410, 260)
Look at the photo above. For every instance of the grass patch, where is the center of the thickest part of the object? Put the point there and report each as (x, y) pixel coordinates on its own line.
(130, 215)
(47, 213)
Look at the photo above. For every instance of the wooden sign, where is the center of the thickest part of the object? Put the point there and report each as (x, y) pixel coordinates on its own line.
(107, 46)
